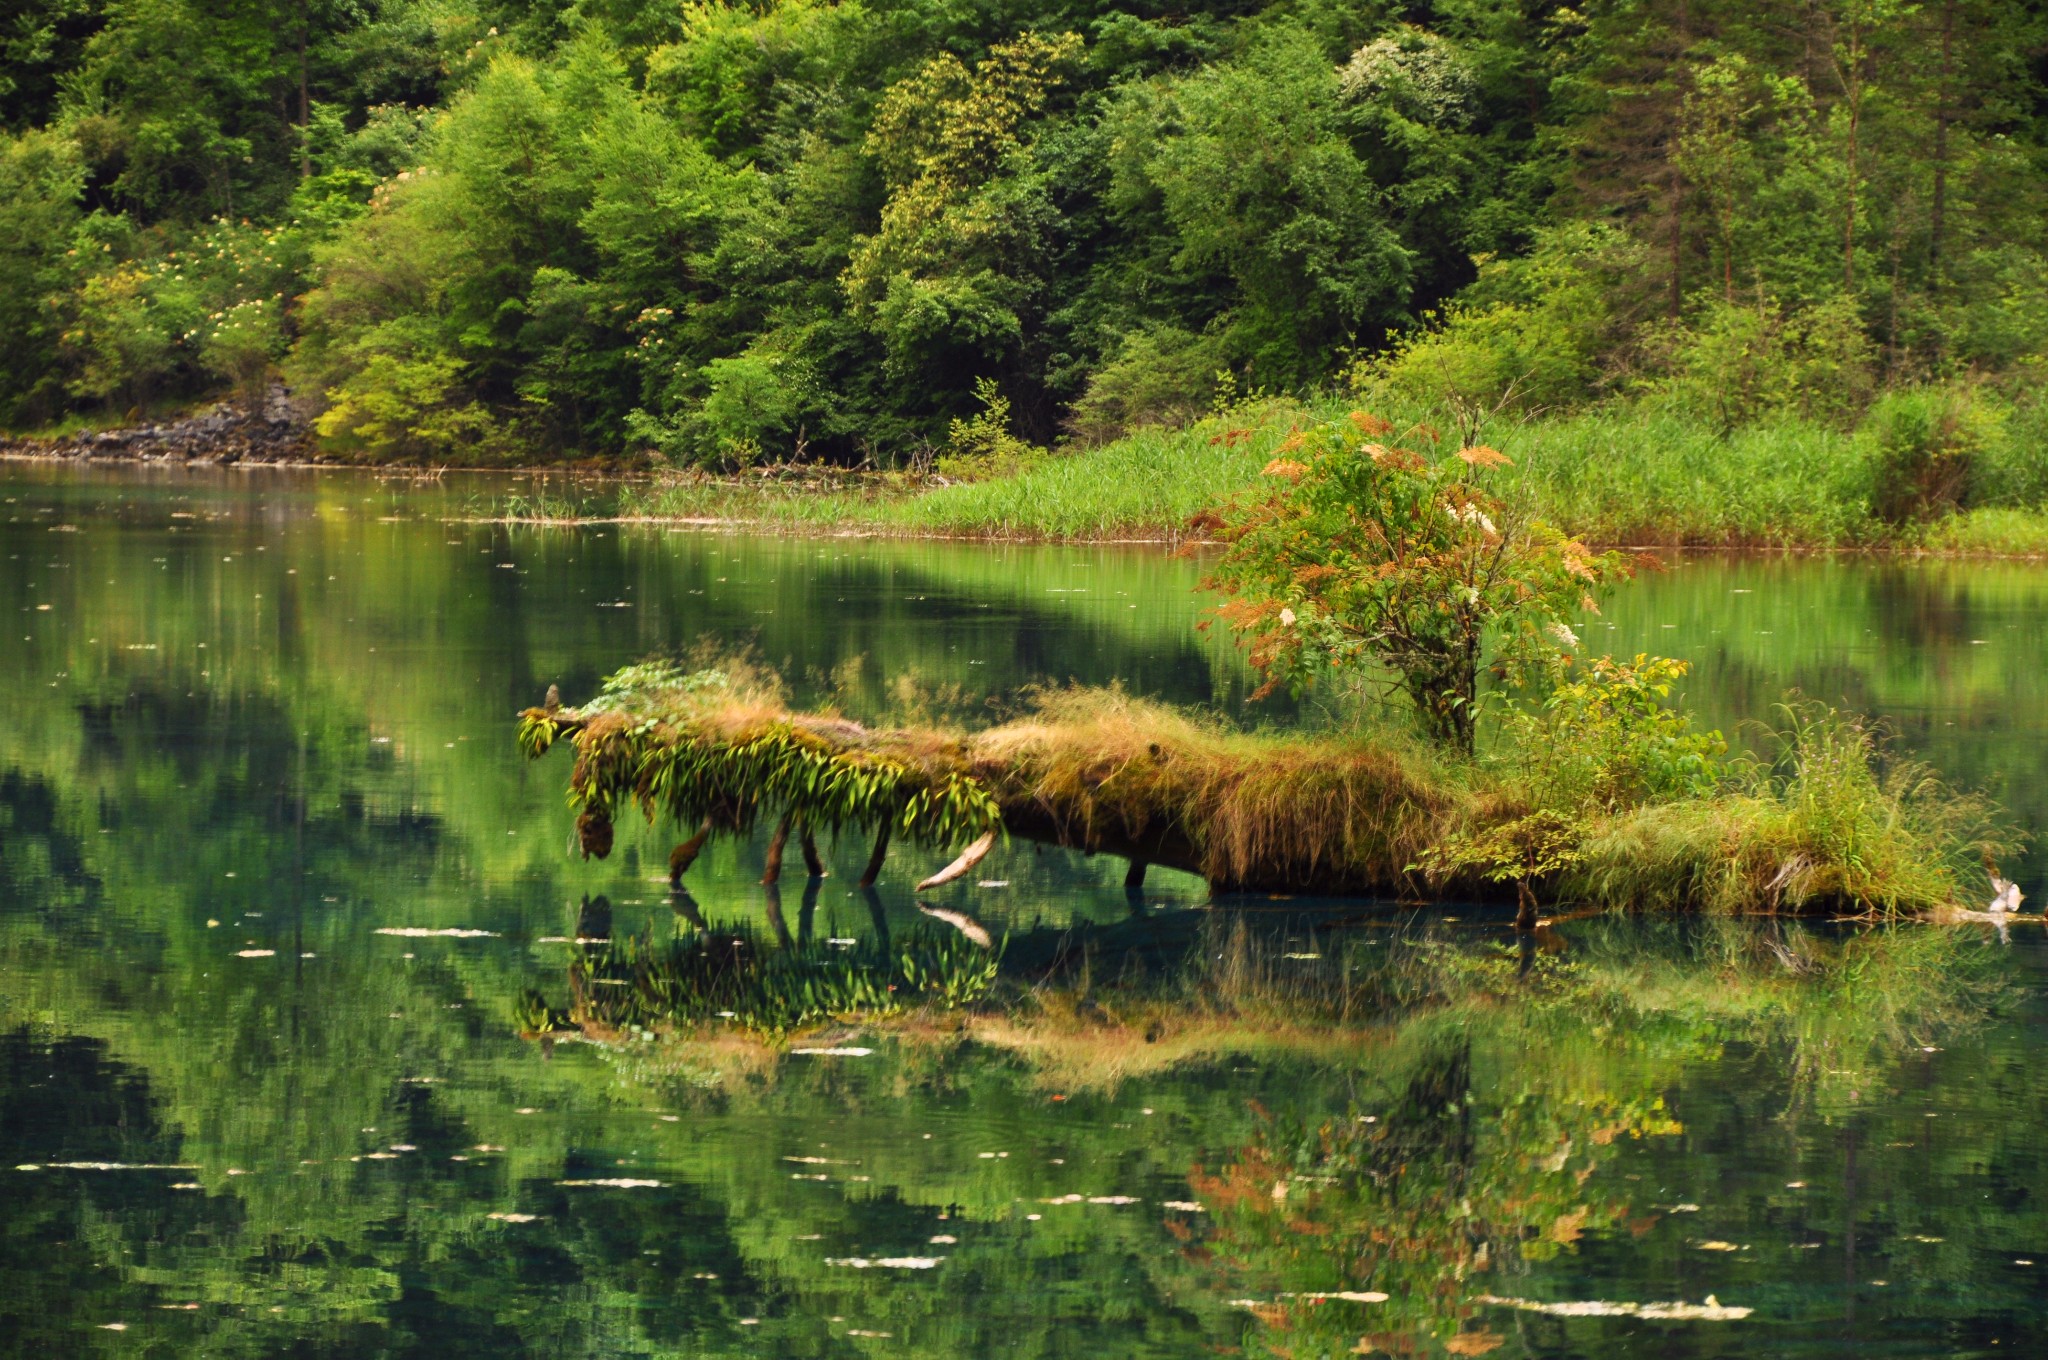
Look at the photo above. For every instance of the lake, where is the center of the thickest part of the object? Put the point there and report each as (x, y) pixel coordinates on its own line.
(254, 1103)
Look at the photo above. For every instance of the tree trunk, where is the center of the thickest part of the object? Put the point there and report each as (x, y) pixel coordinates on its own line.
(1942, 116)
(305, 103)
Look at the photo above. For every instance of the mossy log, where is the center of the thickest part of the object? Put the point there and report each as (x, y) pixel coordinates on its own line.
(1342, 815)
(1097, 772)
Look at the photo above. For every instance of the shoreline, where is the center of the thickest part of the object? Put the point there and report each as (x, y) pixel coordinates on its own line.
(118, 449)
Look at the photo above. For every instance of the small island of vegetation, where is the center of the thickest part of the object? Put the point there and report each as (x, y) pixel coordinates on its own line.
(1397, 570)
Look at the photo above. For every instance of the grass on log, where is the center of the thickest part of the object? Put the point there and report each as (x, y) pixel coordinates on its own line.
(1832, 825)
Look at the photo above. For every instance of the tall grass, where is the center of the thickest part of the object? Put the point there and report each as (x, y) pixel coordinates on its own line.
(1624, 475)
(1632, 474)
(1145, 485)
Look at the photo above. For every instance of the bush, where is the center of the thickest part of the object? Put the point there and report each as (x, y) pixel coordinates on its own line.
(1926, 443)
(1365, 557)
(1527, 335)
(402, 407)
(1160, 377)
(240, 345)
(982, 445)
(1740, 362)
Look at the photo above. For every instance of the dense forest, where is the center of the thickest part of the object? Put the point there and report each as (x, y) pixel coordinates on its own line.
(500, 230)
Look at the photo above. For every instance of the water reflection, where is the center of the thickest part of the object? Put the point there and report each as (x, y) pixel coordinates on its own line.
(263, 719)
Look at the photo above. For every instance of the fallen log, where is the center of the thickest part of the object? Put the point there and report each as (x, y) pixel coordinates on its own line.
(1326, 814)
(1091, 771)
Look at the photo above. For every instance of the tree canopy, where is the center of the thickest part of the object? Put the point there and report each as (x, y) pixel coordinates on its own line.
(719, 233)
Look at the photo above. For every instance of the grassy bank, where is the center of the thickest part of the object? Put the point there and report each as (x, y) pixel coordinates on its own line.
(1616, 475)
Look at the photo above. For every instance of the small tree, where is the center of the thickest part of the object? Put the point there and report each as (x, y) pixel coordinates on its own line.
(1363, 556)
(241, 345)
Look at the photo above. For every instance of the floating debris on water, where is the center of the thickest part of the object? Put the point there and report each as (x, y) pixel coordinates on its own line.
(423, 933)
(885, 1262)
(1713, 1310)
(833, 1052)
(515, 1218)
(105, 1166)
(615, 1183)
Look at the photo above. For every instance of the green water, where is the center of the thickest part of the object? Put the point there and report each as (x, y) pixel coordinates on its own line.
(258, 718)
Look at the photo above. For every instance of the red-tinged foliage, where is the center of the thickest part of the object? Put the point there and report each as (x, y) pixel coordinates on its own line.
(1398, 561)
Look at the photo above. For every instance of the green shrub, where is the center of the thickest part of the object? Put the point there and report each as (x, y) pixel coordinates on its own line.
(1737, 362)
(240, 345)
(1926, 446)
(396, 406)
(1527, 335)
(1159, 377)
(1609, 739)
(982, 446)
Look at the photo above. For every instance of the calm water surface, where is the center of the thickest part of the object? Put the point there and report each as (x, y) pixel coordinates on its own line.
(260, 718)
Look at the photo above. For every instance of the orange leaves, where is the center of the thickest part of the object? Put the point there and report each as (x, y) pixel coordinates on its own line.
(1285, 467)
(1480, 455)
(1474, 1343)
(1371, 426)
(1399, 460)
(1566, 1229)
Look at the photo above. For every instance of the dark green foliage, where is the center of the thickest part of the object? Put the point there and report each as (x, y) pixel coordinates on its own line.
(721, 234)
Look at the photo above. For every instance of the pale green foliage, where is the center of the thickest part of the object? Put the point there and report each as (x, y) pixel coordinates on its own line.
(1741, 361)
(982, 445)
(941, 271)
(1530, 334)
(1159, 376)
(1420, 74)
(1605, 737)
(396, 406)
(241, 343)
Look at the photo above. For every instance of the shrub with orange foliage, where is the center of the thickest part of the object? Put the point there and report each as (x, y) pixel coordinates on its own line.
(1359, 554)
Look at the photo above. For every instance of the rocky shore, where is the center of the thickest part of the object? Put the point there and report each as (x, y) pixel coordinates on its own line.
(221, 434)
